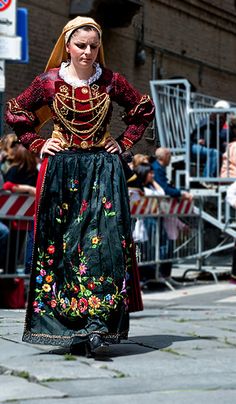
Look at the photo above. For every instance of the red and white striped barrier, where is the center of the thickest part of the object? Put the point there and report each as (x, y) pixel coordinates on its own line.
(22, 206)
(16, 205)
(146, 205)
(141, 205)
(174, 206)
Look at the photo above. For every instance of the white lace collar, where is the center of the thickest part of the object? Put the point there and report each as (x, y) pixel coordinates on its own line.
(63, 73)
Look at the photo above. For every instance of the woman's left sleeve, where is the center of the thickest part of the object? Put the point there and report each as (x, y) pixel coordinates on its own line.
(138, 111)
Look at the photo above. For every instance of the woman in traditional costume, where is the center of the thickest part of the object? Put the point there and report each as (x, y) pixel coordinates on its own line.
(84, 279)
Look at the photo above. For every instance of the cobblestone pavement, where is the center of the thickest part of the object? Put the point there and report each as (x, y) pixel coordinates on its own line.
(181, 349)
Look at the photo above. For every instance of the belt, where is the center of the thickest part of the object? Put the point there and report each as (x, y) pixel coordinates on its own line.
(76, 142)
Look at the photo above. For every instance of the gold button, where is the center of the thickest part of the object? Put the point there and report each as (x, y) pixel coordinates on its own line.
(84, 144)
(84, 90)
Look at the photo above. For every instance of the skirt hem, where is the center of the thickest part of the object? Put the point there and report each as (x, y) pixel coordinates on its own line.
(67, 341)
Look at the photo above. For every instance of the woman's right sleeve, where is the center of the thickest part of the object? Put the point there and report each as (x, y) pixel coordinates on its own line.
(21, 115)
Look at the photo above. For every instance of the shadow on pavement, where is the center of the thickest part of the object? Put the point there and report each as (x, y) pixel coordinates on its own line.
(156, 342)
(136, 345)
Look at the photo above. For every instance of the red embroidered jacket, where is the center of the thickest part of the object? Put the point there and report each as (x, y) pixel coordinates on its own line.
(20, 113)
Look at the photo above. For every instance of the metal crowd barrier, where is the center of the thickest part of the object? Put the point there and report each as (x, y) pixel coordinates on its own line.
(16, 214)
(196, 246)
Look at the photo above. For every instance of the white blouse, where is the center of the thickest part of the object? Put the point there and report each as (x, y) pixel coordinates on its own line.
(63, 73)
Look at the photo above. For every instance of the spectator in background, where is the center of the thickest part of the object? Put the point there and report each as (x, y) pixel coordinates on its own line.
(163, 157)
(4, 234)
(139, 159)
(207, 143)
(8, 145)
(169, 227)
(5, 144)
(22, 171)
(145, 175)
(231, 199)
(228, 167)
(21, 177)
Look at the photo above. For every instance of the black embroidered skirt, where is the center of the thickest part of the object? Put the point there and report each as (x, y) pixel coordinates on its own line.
(82, 261)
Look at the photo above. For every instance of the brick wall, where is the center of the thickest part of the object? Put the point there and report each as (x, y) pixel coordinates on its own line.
(190, 38)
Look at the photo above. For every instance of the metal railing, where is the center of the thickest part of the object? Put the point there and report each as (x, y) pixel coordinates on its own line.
(178, 113)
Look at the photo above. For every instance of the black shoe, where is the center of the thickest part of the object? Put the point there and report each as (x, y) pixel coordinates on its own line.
(82, 349)
(97, 344)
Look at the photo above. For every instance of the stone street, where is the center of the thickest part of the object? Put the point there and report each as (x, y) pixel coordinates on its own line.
(181, 349)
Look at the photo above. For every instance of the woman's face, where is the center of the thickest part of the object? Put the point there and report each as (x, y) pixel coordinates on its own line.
(83, 48)
(149, 177)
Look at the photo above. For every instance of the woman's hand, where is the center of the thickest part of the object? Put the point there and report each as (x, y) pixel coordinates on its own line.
(51, 146)
(111, 146)
(201, 142)
(187, 196)
(31, 190)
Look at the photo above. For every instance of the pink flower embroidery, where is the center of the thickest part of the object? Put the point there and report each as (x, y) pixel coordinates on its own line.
(53, 303)
(107, 205)
(82, 269)
(82, 305)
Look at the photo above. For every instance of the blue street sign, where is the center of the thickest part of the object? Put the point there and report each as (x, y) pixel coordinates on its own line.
(22, 31)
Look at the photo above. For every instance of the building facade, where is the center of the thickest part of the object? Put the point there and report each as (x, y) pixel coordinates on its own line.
(158, 39)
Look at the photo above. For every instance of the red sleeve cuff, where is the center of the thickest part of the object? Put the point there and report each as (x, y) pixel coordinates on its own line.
(8, 186)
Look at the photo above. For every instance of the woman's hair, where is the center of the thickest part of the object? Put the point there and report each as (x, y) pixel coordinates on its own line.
(24, 159)
(140, 159)
(84, 28)
(142, 170)
(8, 142)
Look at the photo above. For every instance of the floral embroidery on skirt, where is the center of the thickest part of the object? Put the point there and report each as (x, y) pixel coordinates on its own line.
(82, 253)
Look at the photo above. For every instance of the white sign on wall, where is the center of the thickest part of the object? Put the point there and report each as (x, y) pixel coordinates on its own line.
(10, 48)
(8, 17)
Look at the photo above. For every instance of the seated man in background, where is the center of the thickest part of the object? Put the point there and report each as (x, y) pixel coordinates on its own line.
(163, 157)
